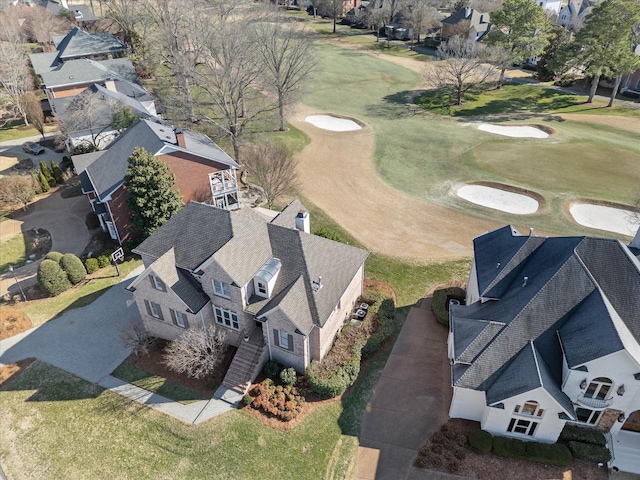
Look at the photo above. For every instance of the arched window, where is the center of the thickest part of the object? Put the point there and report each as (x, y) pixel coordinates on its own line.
(530, 408)
(598, 388)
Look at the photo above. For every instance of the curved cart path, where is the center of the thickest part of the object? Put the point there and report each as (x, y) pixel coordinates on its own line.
(337, 174)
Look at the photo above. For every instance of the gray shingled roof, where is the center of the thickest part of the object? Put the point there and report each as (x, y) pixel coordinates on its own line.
(242, 244)
(287, 217)
(573, 286)
(83, 71)
(86, 15)
(78, 43)
(44, 62)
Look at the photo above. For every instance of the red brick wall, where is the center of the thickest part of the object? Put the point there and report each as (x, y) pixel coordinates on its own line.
(121, 214)
(192, 175)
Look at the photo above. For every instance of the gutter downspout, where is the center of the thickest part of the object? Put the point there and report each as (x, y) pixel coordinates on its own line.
(266, 323)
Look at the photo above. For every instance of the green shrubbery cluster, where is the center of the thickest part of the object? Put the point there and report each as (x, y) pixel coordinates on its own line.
(289, 376)
(57, 272)
(272, 369)
(340, 368)
(585, 443)
(91, 264)
(440, 302)
(592, 453)
(482, 441)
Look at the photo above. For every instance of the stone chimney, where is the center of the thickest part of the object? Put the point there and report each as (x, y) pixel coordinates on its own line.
(303, 222)
(179, 137)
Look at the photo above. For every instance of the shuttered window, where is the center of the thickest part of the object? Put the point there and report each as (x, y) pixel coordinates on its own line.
(283, 339)
(154, 309)
(179, 318)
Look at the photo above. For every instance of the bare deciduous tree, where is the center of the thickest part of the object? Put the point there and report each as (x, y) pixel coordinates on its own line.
(130, 17)
(40, 25)
(17, 189)
(135, 336)
(229, 79)
(287, 54)
(197, 352)
(274, 168)
(377, 16)
(34, 112)
(461, 68)
(333, 9)
(420, 16)
(15, 78)
(90, 114)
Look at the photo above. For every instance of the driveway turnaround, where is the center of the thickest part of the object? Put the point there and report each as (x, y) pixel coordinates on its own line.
(64, 218)
(410, 401)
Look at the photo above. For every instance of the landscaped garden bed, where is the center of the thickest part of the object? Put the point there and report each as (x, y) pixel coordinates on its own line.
(449, 450)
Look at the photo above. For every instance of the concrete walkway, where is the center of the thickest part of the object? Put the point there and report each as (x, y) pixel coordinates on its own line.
(86, 342)
(410, 401)
(64, 218)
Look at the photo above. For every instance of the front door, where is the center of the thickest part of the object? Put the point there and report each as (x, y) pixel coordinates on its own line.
(633, 422)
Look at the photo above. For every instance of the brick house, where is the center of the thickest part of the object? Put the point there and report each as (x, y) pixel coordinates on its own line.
(203, 172)
(550, 334)
(266, 280)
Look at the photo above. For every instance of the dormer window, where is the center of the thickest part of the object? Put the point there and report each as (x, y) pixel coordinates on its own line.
(265, 280)
(221, 289)
(157, 283)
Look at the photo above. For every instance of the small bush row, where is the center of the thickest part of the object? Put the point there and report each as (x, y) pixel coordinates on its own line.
(482, 441)
(283, 402)
(575, 433)
(440, 302)
(385, 327)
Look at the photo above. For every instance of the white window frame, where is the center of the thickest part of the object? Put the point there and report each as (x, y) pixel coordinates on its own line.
(180, 317)
(593, 417)
(226, 318)
(596, 387)
(158, 284)
(155, 310)
(262, 288)
(284, 340)
(522, 426)
(531, 408)
(221, 289)
(112, 230)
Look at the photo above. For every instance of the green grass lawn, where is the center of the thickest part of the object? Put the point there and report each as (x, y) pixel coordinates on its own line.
(11, 132)
(128, 372)
(41, 311)
(426, 155)
(14, 252)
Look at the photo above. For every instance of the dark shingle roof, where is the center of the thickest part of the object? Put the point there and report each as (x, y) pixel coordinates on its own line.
(78, 43)
(287, 217)
(44, 62)
(83, 71)
(584, 290)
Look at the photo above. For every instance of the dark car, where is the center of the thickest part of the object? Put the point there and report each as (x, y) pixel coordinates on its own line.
(32, 147)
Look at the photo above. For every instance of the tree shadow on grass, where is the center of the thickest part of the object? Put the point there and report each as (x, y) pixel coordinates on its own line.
(395, 106)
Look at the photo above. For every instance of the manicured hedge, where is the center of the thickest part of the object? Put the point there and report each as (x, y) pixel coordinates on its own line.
(593, 453)
(55, 256)
(329, 386)
(574, 433)
(52, 279)
(386, 315)
(481, 441)
(91, 264)
(509, 447)
(548, 453)
(73, 267)
(440, 299)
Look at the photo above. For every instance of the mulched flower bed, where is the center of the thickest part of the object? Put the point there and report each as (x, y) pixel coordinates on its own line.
(448, 451)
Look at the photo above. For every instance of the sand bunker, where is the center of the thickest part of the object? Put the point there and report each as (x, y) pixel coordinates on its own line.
(611, 219)
(523, 131)
(335, 124)
(498, 199)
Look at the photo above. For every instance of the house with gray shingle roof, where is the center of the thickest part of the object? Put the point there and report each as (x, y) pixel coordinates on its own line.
(279, 292)
(202, 171)
(550, 334)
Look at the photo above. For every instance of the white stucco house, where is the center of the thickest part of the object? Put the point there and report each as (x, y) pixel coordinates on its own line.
(550, 334)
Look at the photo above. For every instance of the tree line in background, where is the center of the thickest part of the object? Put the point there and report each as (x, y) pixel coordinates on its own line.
(521, 31)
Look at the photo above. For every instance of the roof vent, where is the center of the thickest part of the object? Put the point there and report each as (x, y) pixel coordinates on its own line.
(498, 265)
(524, 281)
(530, 231)
(317, 285)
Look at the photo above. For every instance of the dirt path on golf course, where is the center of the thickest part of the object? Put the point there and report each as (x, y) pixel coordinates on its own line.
(337, 174)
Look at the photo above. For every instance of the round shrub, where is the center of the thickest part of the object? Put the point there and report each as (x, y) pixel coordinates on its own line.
(55, 256)
(247, 399)
(52, 279)
(91, 265)
(104, 261)
(288, 376)
(73, 267)
(481, 441)
(272, 369)
(92, 221)
(440, 302)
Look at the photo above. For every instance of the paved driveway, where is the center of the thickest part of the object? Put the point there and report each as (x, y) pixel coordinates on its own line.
(410, 401)
(65, 221)
(84, 341)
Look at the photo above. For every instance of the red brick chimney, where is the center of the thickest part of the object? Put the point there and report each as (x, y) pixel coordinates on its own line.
(180, 137)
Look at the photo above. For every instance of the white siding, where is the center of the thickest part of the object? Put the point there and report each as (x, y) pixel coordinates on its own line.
(466, 403)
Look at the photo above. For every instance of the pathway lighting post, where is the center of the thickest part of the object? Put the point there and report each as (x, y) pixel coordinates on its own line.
(24, 297)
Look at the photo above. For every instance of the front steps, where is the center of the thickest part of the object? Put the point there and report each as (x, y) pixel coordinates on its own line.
(245, 363)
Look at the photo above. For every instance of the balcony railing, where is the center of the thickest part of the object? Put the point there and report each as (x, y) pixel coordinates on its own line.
(222, 181)
(595, 403)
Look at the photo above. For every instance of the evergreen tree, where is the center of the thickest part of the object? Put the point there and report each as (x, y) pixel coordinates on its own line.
(520, 27)
(56, 171)
(151, 195)
(44, 169)
(546, 67)
(44, 183)
(36, 182)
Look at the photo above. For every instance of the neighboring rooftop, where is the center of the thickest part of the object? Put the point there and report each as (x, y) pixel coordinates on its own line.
(84, 71)
(79, 43)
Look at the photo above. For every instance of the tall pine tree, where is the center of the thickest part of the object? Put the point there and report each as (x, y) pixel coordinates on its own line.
(151, 195)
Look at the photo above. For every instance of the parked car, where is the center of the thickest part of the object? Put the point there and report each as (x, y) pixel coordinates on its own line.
(32, 147)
